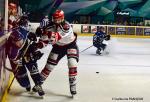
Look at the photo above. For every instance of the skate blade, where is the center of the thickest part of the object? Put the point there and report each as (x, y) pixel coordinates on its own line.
(41, 97)
(32, 92)
(74, 96)
(98, 54)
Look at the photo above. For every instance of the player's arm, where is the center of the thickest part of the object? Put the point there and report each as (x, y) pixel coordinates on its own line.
(65, 30)
(16, 38)
(107, 37)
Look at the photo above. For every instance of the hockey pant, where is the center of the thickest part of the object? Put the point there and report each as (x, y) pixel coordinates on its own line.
(100, 46)
(21, 74)
(56, 54)
(34, 72)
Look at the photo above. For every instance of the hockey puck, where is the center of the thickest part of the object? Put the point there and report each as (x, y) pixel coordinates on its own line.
(97, 72)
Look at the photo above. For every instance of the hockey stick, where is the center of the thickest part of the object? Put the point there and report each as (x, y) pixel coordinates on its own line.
(86, 49)
(8, 69)
(17, 69)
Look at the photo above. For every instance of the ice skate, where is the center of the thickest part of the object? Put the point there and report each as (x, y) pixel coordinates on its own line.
(99, 51)
(73, 90)
(106, 52)
(38, 88)
(28, 89)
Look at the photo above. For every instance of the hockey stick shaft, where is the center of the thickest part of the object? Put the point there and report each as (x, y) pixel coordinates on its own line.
(8, 69)
(86, 49)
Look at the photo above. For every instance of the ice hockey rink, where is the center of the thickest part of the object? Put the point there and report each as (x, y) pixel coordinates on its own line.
(123, 75)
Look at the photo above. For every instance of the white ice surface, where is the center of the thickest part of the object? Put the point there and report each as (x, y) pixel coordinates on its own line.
(123, 73)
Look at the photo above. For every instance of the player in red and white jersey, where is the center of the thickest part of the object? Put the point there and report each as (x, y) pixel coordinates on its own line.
(60, 34)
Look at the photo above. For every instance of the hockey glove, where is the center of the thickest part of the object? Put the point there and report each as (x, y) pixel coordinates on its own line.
(39, 45)
(53, 37)
(33, 47)
(18, 61)
(107, 37)
(31, 36)
(37, 55)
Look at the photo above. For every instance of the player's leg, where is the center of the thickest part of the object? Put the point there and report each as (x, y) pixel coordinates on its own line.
(55, 55)
(73, 57)
(103, 46)
(100, 48)
(21, 75)
(99, 51)
(52, 61)
(35, 75)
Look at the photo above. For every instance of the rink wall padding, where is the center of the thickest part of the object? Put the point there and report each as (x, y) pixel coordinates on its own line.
(114, 30)
(4, 74)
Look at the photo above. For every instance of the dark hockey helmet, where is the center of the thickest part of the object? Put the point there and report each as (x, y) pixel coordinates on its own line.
(12, 6)
(23, 21)
(58, 16)
(101, 28)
